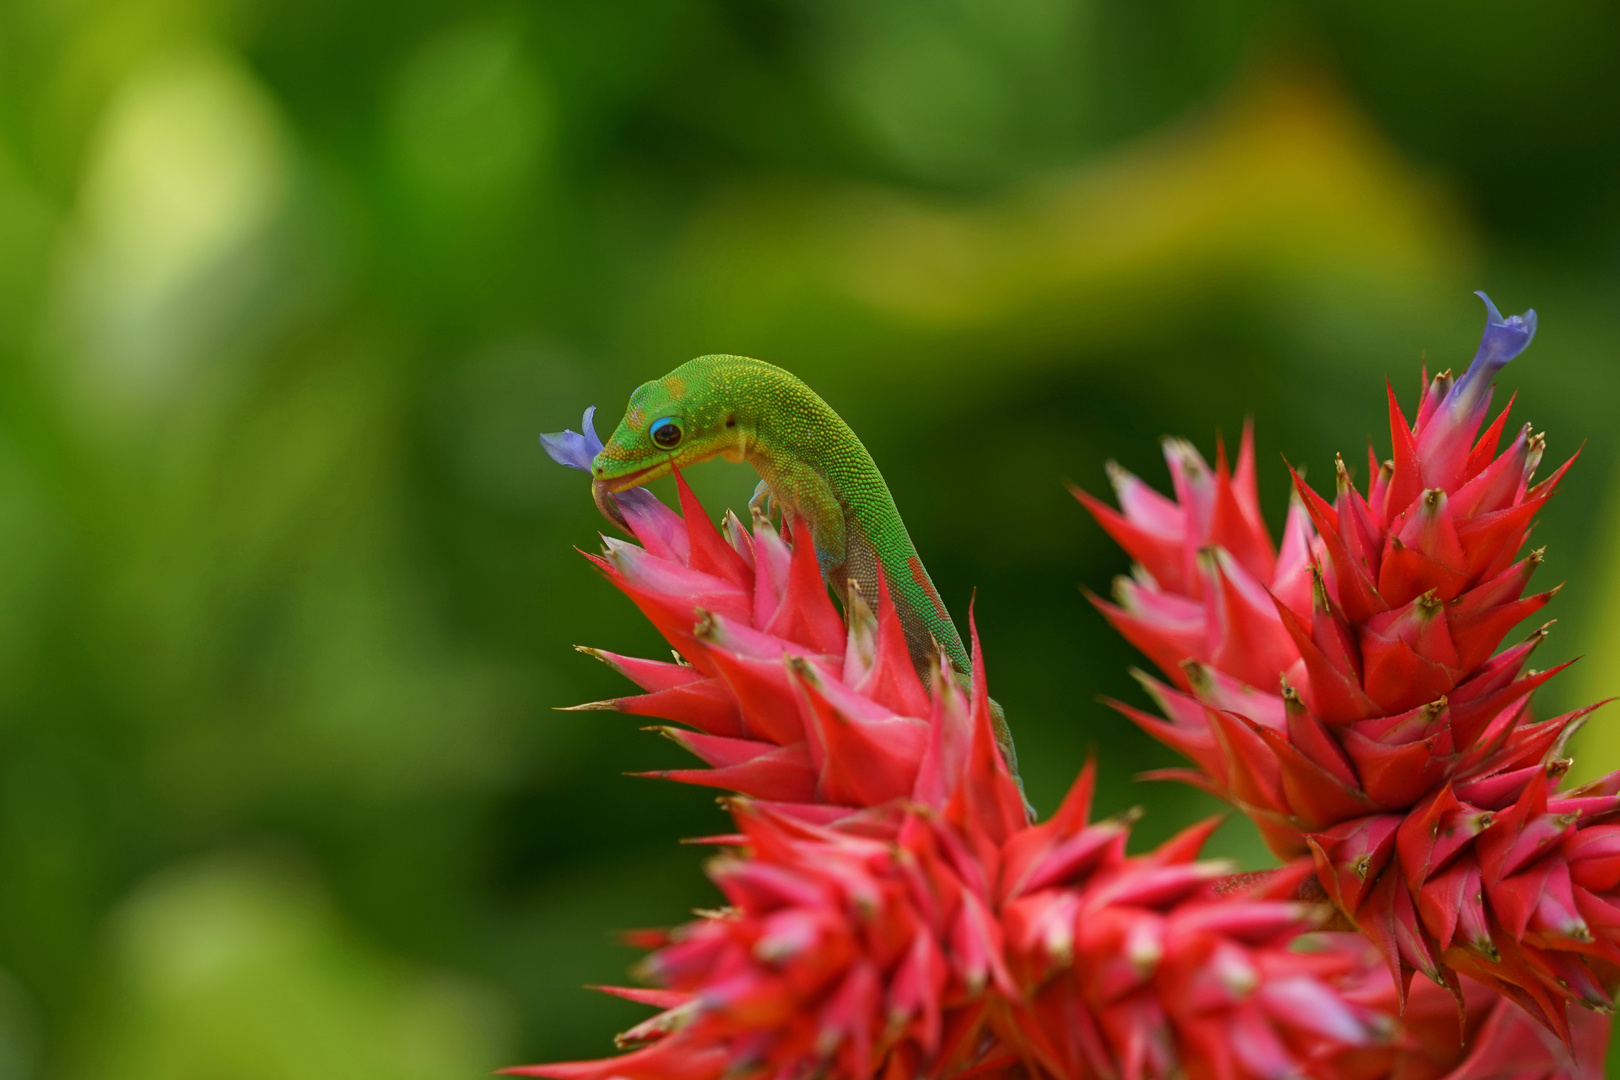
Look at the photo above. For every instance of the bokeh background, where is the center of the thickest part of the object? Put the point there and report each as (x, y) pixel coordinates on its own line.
(287, 290)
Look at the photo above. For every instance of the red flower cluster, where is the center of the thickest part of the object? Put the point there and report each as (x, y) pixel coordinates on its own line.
(1347, 694)
(891, 913)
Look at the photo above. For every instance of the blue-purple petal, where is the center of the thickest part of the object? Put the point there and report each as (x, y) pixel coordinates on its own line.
(578, 449)
(571, 448)
(1502, 341)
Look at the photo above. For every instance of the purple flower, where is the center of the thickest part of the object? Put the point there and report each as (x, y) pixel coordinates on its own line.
(571, 448)
(577, 449)
(1502, 341)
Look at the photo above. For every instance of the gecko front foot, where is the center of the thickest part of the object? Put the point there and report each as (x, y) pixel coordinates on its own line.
(761, 502)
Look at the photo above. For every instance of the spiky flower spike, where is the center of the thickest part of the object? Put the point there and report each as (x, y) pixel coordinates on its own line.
(939, 935)
(1347, 693)
(780, 699)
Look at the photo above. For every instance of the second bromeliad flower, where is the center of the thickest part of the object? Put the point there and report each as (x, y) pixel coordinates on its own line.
(1347, 694)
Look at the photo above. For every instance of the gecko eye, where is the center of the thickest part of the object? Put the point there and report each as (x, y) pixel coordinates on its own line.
(666, 432)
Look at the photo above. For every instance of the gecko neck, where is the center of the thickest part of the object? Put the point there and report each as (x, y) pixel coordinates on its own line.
(818, 468)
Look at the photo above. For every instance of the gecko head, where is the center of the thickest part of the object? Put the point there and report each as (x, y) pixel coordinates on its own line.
(671, 423)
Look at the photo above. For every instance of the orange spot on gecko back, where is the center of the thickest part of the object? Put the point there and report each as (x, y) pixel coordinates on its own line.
(920, 576)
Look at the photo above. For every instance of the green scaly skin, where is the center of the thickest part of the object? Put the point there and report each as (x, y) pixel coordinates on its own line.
(814, 466)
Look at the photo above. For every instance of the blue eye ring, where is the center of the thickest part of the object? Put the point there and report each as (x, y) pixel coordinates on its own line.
(666, 433)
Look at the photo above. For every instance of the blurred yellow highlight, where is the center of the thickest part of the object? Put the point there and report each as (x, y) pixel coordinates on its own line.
(230, 967)
(1278, 180)
(187, 172)
(1281, 181)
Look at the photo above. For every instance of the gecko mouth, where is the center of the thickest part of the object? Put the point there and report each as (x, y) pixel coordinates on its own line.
(632, 479)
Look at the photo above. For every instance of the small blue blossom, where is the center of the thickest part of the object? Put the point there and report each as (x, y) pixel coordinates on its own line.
(1502, 341)
(577, 449)
(571, 448)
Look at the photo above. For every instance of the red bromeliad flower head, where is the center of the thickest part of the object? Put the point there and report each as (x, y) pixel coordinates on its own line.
(840, 954)
(780, 698)
(1347, 693)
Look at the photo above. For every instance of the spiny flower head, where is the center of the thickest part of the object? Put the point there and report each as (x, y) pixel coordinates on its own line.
(1347, 693)
(839, 954)
(777, 695)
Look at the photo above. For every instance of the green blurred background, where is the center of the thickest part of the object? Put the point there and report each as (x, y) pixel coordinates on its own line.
(288, 289)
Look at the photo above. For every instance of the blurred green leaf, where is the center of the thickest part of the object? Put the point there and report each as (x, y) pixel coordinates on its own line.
(235, 969)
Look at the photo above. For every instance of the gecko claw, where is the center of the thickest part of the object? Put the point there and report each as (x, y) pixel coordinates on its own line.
(760, 503)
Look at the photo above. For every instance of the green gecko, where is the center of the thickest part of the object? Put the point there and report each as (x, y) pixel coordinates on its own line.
(810, 463)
